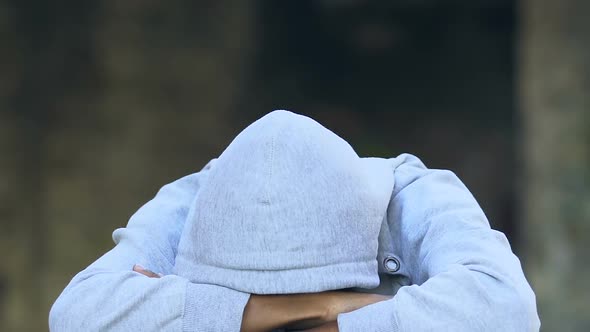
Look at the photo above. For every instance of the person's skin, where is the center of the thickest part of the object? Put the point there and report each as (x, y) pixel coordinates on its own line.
(314, 312)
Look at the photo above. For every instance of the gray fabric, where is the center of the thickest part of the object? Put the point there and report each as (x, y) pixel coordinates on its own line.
(448, 269)
(457, 273)
(109, 296)
(288, 207)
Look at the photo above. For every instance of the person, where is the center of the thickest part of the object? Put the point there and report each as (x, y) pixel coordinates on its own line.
(290, 229)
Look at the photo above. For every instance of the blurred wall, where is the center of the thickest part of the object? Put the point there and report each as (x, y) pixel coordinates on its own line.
(555, 90)
(102, 103)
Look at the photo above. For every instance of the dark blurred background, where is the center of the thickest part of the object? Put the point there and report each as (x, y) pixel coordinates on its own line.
(103, 102)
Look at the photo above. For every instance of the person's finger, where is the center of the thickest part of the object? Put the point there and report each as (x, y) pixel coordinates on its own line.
(140, 269)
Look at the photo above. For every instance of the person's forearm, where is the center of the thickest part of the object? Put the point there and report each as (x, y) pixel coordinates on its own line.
(302, 311)
(268, 312)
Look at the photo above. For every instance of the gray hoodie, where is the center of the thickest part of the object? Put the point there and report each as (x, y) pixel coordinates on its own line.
(289, 207)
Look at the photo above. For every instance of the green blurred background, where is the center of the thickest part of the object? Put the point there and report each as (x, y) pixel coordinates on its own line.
(103, 102)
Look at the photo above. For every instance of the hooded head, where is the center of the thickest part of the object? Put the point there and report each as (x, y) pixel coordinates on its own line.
(288, 207)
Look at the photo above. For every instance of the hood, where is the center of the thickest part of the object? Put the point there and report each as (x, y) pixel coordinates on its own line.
(288, 207)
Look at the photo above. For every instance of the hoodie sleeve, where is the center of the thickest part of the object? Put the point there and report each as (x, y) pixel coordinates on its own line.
(464, 275)
(109, 296)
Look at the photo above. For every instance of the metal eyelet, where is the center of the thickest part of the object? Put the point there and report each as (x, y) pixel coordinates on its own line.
(391, 264)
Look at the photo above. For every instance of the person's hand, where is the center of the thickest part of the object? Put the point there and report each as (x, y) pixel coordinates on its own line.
(315, 312)
(339, 302)
(140, 269)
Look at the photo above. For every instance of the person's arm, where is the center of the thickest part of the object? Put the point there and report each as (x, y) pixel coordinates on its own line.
(464, 274)
(109, 296)
(296, 311)
(119, 291)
